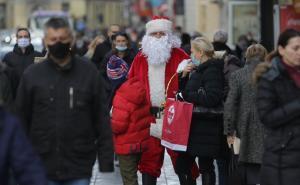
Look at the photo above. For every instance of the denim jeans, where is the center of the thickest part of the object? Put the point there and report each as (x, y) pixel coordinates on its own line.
(70, 182)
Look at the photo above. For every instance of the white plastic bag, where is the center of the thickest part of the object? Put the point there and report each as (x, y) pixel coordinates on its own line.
(236, 145)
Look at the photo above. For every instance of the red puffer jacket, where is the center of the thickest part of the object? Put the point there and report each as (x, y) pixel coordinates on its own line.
(131, 118)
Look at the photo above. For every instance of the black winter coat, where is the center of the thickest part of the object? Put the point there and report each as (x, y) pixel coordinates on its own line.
(18, 62)
(278, 102)
(205, 89)
(61, 111)
(100, 52)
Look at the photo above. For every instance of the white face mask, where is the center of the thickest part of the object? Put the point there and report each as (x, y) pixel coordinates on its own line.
(121, 48)
(23, 42)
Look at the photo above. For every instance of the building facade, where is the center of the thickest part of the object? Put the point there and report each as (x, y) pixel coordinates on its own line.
(237, 17)
(97, 13)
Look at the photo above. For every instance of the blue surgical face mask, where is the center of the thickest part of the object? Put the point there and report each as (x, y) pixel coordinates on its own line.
(23, 42)
(194, 60)
(121, 48)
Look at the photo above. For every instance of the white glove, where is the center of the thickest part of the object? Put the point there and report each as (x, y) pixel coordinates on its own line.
(182, 65)
(156, 128)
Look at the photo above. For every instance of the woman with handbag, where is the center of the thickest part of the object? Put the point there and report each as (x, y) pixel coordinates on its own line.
(203, 85)
(241, 117)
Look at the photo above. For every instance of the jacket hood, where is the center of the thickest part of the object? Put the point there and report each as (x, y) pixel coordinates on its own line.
(253, 62)
(29, 49)
(232, 59)
(268, 70)
(228, 58)
(133, 91)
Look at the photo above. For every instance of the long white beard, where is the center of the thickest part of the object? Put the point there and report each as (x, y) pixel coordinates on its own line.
(158, 51)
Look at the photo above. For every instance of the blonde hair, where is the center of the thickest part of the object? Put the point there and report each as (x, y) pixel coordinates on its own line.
(202, 43)
(256, 51)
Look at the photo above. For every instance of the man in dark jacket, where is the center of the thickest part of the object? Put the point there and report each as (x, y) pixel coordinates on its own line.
(60, 102)
(103, 48)
(231, 62)
(21, 57)
(17, 154)
(220, 40)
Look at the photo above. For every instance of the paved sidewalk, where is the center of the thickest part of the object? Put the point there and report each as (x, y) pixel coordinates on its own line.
(168, 177)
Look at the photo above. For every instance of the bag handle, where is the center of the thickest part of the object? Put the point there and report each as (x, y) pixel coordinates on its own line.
(168, 85)
(167, 89)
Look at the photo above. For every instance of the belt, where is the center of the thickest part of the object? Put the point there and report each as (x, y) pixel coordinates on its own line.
(156, 111)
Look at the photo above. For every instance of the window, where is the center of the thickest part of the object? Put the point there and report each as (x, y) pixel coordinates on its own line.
(243, 20)
(65, 7)
(179, 7)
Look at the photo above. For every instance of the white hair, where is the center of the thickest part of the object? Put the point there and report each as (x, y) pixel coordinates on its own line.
(158, 50)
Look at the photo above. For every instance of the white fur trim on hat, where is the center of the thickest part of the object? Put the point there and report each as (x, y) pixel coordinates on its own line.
(158, 25)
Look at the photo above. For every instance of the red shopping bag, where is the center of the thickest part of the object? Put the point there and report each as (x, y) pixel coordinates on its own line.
(176, 124)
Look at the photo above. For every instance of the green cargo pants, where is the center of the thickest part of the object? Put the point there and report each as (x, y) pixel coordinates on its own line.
(128, 167)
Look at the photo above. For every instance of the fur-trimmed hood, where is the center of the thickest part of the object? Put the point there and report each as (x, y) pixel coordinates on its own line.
(220, 54)
(264, 67)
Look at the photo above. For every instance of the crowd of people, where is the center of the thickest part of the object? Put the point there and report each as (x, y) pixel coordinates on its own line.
(77, 102)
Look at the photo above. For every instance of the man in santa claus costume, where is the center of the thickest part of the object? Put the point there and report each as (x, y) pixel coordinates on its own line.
(154, 65)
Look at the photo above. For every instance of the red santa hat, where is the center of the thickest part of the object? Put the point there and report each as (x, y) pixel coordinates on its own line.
(158, 24)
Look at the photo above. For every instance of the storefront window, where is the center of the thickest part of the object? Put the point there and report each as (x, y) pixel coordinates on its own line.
(244, 20)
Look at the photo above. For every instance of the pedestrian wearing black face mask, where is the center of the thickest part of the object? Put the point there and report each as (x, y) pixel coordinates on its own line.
(60, 102)
(20, 58)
